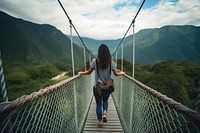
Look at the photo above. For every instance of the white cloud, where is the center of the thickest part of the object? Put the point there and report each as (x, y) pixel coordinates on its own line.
(170, 13)
(99, 20)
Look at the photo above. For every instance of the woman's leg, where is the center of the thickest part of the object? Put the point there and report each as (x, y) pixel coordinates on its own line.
(105, 107)
(105, 103)
(98, 104)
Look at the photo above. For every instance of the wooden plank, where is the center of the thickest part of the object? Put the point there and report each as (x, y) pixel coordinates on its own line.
(113, 124)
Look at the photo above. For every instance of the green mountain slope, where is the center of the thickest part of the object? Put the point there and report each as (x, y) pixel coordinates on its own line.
(169, 42)
(23, 42)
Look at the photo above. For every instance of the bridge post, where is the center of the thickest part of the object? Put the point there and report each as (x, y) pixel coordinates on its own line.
(3, 84)
(75, 108)
(84, 58)
(131, 113)
(133, 72)
(116, 57)
(122, 56)
(90, 58)
(72, 49)
(75, 101)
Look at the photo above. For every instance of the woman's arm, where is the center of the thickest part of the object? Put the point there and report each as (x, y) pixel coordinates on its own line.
(117, 73)
(89, 71)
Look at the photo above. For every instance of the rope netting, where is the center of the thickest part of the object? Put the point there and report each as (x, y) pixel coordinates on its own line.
(144, 110)
(59, 108)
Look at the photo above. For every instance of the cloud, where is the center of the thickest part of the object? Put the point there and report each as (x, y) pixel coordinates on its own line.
(170, 13)
(103, 19)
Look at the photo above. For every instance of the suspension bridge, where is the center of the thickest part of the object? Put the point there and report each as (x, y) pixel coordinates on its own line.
(68, 106)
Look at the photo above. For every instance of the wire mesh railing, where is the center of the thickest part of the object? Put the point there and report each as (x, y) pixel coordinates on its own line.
(59, 108)
(144, 110)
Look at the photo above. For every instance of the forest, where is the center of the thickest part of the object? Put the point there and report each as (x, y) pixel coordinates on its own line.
(23, 80)
(178, 81)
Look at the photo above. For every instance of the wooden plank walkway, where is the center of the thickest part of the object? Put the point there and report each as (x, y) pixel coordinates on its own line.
(113, 124)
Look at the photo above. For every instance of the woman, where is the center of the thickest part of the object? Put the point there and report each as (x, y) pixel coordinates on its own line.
(104, 61)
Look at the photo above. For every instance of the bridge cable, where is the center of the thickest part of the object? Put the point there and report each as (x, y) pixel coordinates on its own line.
(70, 21)
(132, 22)
(2, 82)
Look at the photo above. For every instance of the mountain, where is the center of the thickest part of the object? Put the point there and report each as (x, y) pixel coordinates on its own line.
(23, 42)
(93, 44)
(169, 42)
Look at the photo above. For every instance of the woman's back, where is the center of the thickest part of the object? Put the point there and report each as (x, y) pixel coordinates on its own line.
(103, 74)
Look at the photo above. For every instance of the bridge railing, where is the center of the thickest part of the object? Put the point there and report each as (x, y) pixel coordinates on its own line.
(144, 110)
(59, 108)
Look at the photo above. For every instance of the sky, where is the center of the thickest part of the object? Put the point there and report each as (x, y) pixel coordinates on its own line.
(105, 19)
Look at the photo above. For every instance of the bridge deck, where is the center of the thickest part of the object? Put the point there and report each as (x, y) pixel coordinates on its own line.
(113, 124)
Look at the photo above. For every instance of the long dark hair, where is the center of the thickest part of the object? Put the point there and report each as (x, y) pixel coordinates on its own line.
(104, 57)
